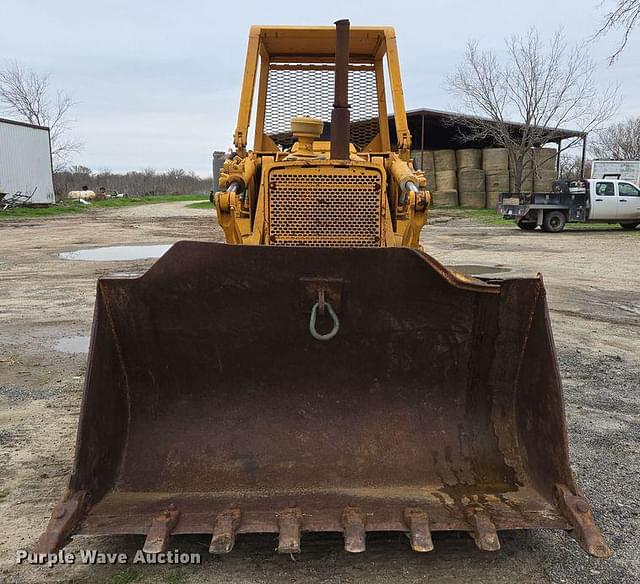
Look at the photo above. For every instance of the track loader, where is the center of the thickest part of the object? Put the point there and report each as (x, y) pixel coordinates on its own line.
(319, 372)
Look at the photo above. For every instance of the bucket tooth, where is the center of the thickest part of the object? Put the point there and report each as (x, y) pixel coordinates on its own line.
(483, 530)
(160, 531)
(577, 510)
(417, 521)
(289, 526)
(64, 518)
(353, 523)
(224, 531)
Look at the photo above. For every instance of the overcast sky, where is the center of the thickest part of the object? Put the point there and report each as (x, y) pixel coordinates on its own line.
(157, 82)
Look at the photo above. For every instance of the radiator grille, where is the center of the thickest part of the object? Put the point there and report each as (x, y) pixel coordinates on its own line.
(307, 90)
(335, 208)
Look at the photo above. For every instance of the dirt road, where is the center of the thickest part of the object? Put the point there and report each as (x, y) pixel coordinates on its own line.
(593, 282)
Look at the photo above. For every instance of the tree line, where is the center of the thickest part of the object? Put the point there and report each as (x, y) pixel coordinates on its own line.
(175, 181)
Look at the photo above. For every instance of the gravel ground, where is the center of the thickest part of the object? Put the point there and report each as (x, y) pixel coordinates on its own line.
(593, 285)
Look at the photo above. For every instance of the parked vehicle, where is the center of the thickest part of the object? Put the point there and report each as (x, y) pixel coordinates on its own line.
(593, 200)
(628, 170)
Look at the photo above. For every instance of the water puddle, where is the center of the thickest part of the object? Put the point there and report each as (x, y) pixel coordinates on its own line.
(76, 344)
(479, 270)
(125, 274)
(117, 253)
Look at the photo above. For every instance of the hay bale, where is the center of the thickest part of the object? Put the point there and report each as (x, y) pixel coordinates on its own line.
(446, 180)
(492, 199)
(471, 180)
(423, 159)
(542, 180)
(495, 159)
(544, 158)
(474, 200)
(429, 162)
(497, 181)
(468, 158)
(77, 195)
(444, 160)
(527, 175)
(431, 181)
(445, 198)
(525, 187)
(429, 170)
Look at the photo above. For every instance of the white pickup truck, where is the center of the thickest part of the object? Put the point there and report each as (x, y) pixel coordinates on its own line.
(599, 200)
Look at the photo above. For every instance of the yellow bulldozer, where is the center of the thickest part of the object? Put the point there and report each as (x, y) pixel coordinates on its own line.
(319, 372)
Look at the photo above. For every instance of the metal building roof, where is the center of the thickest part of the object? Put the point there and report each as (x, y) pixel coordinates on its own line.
(442, 130)
(25, 124)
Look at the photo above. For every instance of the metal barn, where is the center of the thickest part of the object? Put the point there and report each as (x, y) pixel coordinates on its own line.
(434, 129)
(25, 161)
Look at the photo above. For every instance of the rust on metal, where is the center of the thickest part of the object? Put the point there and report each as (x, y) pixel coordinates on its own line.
(483, 530)
(417, 521)
(353, 523)
(224, 531)
(577, 510)
(160, 531)
(463, 373)
(64, 518)
(332, 289)
(340, 125)
(289, 528)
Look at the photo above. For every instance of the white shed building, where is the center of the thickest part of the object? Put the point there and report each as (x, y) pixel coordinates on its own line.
(25, 160)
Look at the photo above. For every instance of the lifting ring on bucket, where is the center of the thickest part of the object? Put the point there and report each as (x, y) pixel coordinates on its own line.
(321, 304)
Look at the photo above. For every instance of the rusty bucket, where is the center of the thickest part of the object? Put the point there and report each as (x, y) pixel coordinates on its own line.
(239, 389)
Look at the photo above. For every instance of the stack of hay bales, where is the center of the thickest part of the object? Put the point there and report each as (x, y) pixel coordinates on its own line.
(495, 162)
(544, 168)
(446, 193)
(424, 161)
(526, 184)
(471, 178)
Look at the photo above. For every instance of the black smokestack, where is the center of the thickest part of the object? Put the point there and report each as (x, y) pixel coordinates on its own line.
(340, 115)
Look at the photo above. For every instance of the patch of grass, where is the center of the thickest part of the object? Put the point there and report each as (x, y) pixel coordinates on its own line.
(28, 212)
(200, 205)
(74, 207)
(128, 201)
(485, 216)
(124, 577)
(3, 495)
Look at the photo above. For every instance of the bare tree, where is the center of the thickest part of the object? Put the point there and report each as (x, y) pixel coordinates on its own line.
(571, 166)
(542, 85)
(625, 16)
(618, 142)
(29, 97)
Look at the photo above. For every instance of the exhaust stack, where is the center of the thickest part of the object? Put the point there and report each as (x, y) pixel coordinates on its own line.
(340, 115)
